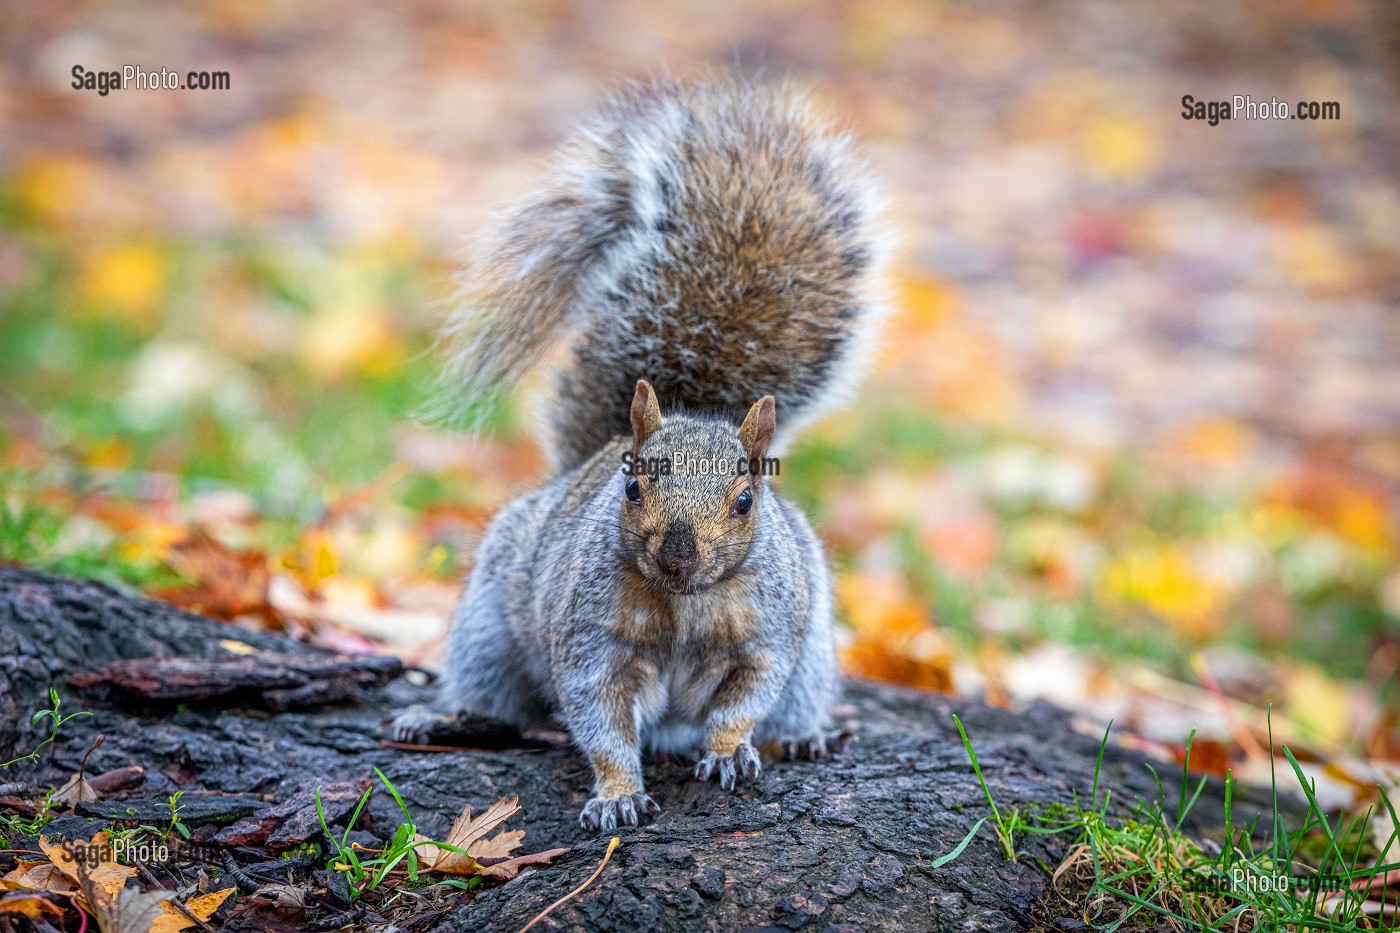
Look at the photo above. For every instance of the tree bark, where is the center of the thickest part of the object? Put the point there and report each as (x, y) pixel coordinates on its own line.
(836, 845)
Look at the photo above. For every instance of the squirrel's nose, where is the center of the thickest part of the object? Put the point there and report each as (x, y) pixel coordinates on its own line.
(678, 556)
(682, 567)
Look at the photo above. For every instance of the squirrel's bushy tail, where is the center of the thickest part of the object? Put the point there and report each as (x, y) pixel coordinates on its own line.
(714, 237)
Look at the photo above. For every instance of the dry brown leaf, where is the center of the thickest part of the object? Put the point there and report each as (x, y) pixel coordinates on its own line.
(466, 832)
(29, 904)
(469, 834)
(76, 790)
(40, 876)
(508, 869)
(283, 898)
(171, 920)
(107, 876)
(498, 846)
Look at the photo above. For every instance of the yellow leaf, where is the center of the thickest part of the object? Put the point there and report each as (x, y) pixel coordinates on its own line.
(928, 302)
(128, 279)
(1163, 580)
(203, 907)
(54, 188)
(1364, 519)
(1317, 702)
(107, 876)
(319, 556)
(879, 607)
(39, 876)
(347, 338)
(1315, 255)
(1119, 146)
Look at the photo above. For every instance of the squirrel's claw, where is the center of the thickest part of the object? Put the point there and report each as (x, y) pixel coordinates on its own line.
(743, 763)
(813, 749)
(415, 725)
(608, 813)
(816, 748)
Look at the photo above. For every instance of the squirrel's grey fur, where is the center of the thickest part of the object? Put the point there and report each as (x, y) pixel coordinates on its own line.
(702, 249)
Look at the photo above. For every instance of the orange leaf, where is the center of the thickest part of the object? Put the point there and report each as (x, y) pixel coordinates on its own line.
(227, 583)
(29, 904)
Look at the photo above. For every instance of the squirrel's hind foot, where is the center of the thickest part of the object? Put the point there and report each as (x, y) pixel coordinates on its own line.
(604, 814)
(816, 748)
(744, 762)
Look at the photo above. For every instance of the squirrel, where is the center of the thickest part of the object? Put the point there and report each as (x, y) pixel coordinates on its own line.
(705, 250)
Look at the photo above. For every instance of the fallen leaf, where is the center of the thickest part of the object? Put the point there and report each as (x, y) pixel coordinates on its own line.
(227, 583)
(466, 832)
(29, 904)
(171, 920)
(75, 790)
(129, 279)
(498, 846)
(40, 876)
(128, 911)
(508, 869)
(469, 835)
(283, 898)
(1208, 756)
(107, 876)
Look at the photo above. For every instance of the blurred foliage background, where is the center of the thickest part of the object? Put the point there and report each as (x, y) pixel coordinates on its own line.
(1133, 444)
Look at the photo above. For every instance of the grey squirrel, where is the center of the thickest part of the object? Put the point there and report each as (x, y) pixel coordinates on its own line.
(706, 251)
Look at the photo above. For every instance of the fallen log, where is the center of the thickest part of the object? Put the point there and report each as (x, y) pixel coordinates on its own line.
(838, 845)
(278, 681)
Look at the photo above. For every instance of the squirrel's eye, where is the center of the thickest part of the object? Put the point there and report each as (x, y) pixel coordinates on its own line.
(743, 503)
(634, 491)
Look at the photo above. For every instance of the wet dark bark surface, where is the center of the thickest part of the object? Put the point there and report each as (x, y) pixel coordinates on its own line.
(837, 845)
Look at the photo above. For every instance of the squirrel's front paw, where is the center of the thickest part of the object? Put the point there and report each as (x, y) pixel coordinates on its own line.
(415, 725)
(744, 762)
(608, 813)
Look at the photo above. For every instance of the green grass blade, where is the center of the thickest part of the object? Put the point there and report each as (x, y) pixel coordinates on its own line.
(977, 769)
(1098, 764)
(945, 859)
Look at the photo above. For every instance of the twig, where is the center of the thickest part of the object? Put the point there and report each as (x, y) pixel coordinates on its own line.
(1242, 735)
(411, 747)
(173, 901)
(613, 844)
(83, 766)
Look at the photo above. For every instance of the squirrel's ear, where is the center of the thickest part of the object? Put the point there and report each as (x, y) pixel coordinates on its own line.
(646, 413)
(757, 429)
